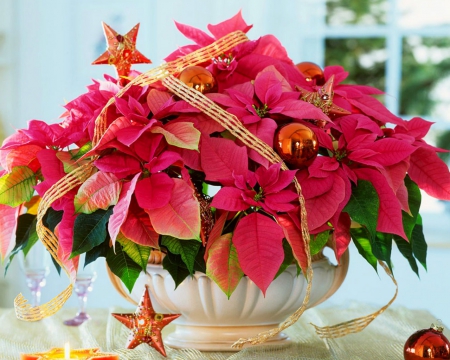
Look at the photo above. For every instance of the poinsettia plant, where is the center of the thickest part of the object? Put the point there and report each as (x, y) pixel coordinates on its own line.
(160, 159)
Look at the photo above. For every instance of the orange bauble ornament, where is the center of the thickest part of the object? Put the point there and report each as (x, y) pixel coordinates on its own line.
(296, 144)
(198, 78)
(427, 344)
(311, 72)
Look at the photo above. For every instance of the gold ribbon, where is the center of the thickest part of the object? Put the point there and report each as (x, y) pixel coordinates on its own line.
(358, 324)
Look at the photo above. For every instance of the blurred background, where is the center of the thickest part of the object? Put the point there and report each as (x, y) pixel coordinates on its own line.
(399, 46)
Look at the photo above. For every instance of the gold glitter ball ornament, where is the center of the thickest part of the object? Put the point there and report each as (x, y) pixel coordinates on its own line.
(198, 78)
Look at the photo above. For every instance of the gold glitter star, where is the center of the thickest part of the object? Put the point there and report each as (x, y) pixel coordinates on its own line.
(146, 324)
(121, 51)
(323, 99)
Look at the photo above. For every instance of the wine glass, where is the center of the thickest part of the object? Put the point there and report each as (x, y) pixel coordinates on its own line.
(36, 266)
(83, 286)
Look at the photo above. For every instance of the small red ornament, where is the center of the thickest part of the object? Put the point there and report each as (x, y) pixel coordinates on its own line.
(296, 144)
(146, 324)
(427, 344)
(121, 51)
(311, 72)
(198, 78)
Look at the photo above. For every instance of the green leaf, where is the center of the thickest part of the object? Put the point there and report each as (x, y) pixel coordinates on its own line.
(419, 245)
(32, 239)
(123, 266)
(318, 241)
(288, 258)
(414, 200)
(17, 186)
(363, 206)
(362, 243)
(89, 231)
(138, 253)
(200, 264)
(382, 248)
(57, 266)
(171, 263)
(26, 236)
(26, 225)
(82, 150)
(96, 252)
(187, 249)
(405, 249)
(52, 218)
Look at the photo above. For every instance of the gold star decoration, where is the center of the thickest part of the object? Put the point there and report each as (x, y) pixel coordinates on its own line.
(323, 99)
(121, 51)
(146, 324)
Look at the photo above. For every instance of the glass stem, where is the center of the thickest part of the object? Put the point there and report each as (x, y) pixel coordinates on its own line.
(36, 296)
(82, 300)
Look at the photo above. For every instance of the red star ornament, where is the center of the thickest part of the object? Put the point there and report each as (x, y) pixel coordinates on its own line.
(323, 99)
(121, 51)
(146, 324)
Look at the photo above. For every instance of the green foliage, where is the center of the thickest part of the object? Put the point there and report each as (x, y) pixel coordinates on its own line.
(100, 250)
(341, 12)
(318, 241)
(26, 237)
(288, 258)
(138, 253)
(123, 266)
(187, 249)
(17, 186)
(362, 243)
(89, 231)
(172, 263)
(414, 200)
(52, 218)
(175, 264)
(405, 249)
(382, 247)
(419, 245)
(363, 206)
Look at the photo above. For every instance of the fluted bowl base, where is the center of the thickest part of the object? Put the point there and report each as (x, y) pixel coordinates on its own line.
(218, 338)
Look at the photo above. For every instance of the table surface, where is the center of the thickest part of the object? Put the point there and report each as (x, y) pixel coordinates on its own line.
(382, 339)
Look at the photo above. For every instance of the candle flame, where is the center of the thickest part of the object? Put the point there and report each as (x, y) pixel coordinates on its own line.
(67, 351)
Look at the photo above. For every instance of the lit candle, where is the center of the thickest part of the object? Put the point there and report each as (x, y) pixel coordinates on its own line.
(67, 354)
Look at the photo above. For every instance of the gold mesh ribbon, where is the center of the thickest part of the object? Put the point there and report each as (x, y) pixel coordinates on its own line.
(24, 310)
(356, 325)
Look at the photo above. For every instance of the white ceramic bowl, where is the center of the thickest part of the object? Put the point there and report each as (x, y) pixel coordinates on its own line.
(212, 322)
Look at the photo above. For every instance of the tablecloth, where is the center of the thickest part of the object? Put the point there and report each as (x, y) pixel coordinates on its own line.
(383, 339)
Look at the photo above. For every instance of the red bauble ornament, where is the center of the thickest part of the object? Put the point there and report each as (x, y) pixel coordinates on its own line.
(311, 72)
(296, 144)
(198, 78)
(146, 324)
(427, 344)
